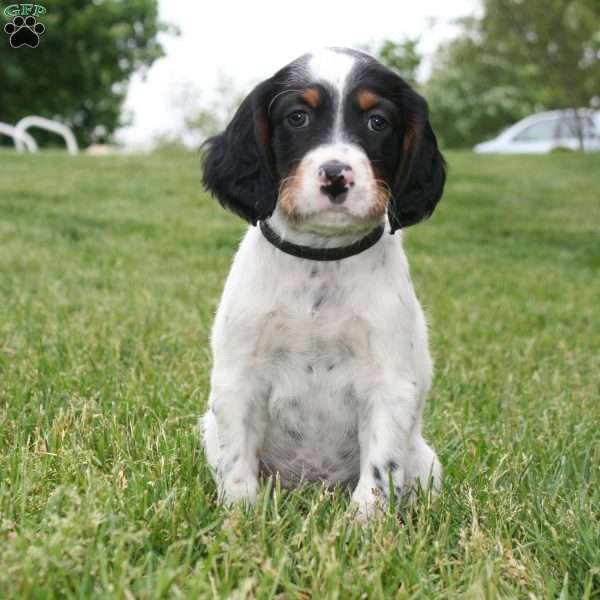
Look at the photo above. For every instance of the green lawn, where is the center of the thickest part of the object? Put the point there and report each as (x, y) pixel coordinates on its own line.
(110, 273)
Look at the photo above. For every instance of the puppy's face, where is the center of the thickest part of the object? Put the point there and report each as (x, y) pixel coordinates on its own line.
(336, 145)
(336, 140)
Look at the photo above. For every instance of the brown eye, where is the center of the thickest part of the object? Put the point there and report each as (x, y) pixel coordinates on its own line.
(298, 119)
(377, 123)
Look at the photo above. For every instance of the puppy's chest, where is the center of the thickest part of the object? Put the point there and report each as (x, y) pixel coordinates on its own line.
(313, 348)
(312, 331)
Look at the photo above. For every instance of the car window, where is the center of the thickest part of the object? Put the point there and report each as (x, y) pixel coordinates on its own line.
(569, 127)
(542, 131)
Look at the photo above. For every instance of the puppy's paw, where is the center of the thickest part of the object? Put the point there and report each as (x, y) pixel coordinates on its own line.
(367, 502)
(239, 488)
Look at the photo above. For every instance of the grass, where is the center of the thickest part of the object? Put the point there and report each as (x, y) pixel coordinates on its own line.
(110, 272)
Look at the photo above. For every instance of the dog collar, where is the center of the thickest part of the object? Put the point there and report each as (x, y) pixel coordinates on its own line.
(310, 253)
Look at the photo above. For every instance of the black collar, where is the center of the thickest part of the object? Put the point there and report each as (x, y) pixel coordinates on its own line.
(321, 253)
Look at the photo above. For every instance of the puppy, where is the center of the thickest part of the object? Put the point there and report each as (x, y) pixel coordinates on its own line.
(321, 360)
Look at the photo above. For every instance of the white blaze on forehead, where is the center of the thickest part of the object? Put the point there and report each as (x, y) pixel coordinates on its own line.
(331, 66)
(334, 68)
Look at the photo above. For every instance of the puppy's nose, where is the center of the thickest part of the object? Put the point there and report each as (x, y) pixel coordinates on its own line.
(332, 171)
(335, 177)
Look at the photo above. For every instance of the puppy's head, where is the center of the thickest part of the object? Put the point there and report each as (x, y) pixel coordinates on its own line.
(335, 141)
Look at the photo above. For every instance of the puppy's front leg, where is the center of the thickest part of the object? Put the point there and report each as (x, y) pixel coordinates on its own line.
(386, 421)
(237, 408)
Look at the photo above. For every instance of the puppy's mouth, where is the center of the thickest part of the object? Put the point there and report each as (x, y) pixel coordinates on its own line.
(336, 209)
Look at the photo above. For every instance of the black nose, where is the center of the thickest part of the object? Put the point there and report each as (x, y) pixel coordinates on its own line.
(332, 170)
(331, 175)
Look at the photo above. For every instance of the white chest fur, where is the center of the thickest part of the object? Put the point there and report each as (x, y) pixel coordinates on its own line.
(313, 356)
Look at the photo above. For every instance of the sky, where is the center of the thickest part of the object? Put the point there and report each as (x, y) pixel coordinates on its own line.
(247, 41)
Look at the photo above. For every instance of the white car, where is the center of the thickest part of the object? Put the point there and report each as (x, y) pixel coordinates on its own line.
(546, 131)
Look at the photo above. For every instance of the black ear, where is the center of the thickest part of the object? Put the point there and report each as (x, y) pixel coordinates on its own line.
(420, 179)
(238, 167)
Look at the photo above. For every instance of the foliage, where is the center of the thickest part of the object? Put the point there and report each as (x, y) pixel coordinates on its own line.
(79, 72)
(519, 57)
(473, 92)
(403, 57)
(110, 273)
(559, 40)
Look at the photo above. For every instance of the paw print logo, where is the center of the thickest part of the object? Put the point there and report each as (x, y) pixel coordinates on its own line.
(24, 32)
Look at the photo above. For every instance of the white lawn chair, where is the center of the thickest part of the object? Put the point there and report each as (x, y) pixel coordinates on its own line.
(50, 125)
(22, 140)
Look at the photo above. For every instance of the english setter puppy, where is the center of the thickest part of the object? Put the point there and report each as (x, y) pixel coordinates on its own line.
(321, 359)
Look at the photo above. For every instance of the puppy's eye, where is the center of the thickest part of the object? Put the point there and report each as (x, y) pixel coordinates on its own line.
(298, 118)
(377, 123)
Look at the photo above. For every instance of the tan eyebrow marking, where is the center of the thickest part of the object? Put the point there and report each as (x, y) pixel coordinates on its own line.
(312, 96)
(367, 99)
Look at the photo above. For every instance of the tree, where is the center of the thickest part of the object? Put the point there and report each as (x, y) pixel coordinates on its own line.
(520, 57)
(79, 72)
(473, 92)
(402, 57)
(561, 42)
(558, 39)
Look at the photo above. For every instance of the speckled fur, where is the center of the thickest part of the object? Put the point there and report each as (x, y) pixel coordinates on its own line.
(320, 374)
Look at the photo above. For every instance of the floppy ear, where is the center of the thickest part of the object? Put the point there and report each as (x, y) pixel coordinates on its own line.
(238, 167)
(420, 179)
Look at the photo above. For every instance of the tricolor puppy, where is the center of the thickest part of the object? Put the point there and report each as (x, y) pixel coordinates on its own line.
(321, 360)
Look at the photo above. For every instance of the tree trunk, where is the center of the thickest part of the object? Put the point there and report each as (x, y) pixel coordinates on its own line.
(579, 126)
